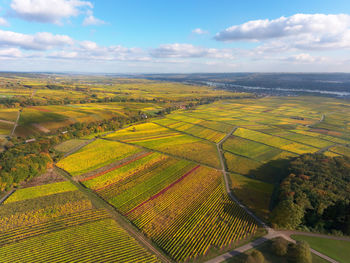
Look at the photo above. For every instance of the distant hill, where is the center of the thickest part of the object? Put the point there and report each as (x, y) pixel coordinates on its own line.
(325, 84)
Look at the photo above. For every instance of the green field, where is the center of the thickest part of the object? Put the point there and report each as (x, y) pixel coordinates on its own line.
(253, 193)
(69, 145)
(336, 249)
(42, 190)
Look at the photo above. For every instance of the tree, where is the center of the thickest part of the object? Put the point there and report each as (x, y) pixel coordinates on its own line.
(300, 253)
(280, 246)
(287, 214)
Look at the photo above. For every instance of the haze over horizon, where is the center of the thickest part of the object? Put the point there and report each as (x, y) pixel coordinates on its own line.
(186, 36)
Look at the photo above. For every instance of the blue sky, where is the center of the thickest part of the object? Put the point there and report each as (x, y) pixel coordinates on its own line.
(174, 36)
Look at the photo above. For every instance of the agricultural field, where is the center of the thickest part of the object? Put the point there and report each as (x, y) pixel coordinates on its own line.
(70, 145)
(253, 193)
(155, 137)
(56, 222)
(178, 204)
(158, 167)
(96, 155)
(49, 118)
(192, 129)
(269, 129)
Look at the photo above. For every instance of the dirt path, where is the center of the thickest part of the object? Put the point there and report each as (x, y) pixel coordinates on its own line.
(6, 196)
(16, 123)
(317, 122)
(227, 185)
(79, 147)
(40, 128)
(324, 149)
(7, 122)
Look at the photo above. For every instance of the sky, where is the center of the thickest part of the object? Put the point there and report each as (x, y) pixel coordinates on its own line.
(174, 36)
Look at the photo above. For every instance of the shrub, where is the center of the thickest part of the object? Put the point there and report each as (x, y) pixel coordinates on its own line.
(299, 253)
(255, 257)
(280, 246)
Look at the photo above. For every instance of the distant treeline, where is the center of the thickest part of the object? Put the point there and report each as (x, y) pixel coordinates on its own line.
(21, 161)
(315, 195)
(22, 101)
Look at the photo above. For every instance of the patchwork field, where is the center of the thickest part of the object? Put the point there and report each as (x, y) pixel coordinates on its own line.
(180, 205)
(55, 222)
(159, 138)
(164, 175)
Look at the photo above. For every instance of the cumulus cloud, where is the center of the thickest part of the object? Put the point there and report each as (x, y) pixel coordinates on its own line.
(287, 26)
(48, 11)
(39, 41)
(300, 31)
(3, 22)
(199, 31)
(90, 20)
(189, 51)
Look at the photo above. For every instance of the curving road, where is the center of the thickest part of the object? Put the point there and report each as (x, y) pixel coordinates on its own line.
(271, 233)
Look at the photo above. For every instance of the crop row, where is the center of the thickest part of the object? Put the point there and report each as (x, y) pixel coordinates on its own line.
(195, 130)
(95, 155)
(124, 172)
(218, 222)
(274, 141)
(99, 241)
(62, 222)
(136, 194)
(138, 176)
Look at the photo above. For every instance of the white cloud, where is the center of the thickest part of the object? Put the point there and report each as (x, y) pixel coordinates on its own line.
(48, 11)
(199, 31)
(39, 41)
(297, 32)
(295, 25)
(189, 51)
(304, 58)
(3, 22)
(90, 20)
(10, 53)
